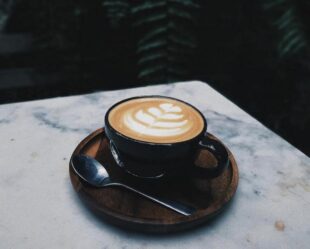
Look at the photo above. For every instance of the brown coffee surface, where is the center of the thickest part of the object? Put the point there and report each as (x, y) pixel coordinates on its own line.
(156, 119)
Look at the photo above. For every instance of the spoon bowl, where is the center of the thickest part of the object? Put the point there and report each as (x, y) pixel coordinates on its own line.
(90, 170)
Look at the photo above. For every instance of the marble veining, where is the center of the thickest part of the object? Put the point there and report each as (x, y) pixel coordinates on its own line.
(39, 209)
(43, 118)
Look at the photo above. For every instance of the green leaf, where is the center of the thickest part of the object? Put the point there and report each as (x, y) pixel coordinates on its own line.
(168, 41)
(151, 70)
(157, 31)
(187, 3)
(116, 11)
(290, 34)
(289, 26)
(150, 57)
(173, 11)
(115, 3)
(272, 4)
(298, 47)
(287, 15)
(159, 43)
(287, 47)
(147, 6)
(154, 17)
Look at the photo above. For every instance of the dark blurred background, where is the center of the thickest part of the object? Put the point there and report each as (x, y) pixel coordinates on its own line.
(254, 52)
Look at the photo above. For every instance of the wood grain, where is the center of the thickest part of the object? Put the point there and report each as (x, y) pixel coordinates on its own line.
(128, 210)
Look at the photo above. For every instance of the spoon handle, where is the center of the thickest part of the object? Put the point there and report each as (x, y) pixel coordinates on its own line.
(173, 205)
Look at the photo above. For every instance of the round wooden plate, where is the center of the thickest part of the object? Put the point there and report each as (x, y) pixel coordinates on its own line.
(128, 210)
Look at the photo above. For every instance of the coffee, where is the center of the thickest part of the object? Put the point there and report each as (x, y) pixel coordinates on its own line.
(156, 119)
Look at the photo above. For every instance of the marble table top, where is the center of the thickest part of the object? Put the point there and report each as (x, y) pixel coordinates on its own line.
(39, 208)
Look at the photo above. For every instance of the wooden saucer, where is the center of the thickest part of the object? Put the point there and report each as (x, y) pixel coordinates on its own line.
(128, 210)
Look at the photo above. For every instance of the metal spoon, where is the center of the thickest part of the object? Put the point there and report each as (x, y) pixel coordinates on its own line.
(94, 173)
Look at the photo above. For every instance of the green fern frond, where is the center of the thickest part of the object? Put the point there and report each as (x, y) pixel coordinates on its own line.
(270, 4)
(148, 6)
(167, 41)
(154, 69)
(179, 12)
(290, 29)
(187, 3)
(152, 17)
(155, 32)
(116, 11)
(163, 72)
(114, 3)
(151, 57)
(162, 55)
(159, 43)
(293, 44)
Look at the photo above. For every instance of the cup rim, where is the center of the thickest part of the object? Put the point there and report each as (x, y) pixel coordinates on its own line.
(107, 123)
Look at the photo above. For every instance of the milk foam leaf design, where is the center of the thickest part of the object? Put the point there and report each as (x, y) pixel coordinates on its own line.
(162, 121)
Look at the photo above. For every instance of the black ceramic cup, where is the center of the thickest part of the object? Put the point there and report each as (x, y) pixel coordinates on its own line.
(157, 160)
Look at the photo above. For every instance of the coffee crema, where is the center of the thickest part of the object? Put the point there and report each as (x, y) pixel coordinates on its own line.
(156, 119)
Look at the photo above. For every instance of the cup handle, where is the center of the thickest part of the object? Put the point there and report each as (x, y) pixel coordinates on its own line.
(219, 152)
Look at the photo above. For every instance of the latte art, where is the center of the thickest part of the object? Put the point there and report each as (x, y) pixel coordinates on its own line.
(156, 120)
(162, 121)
